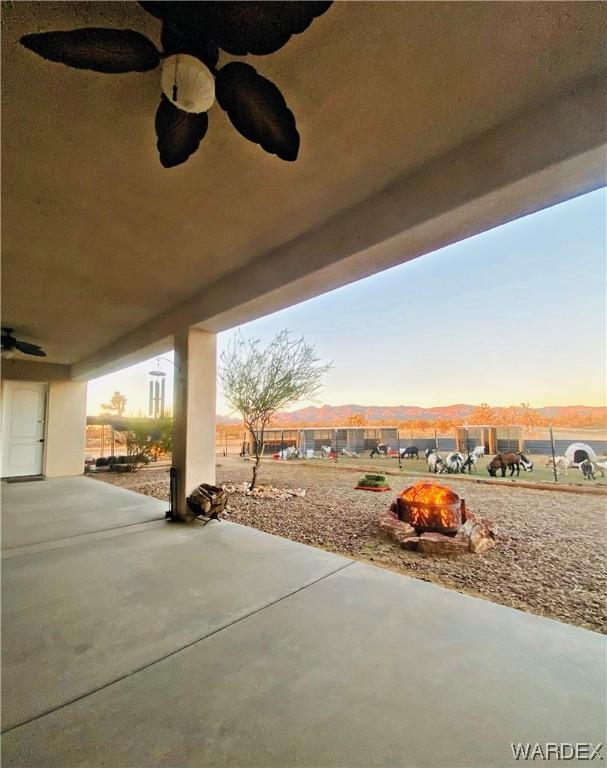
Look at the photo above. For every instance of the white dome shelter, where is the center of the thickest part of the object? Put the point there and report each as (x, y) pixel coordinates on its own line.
(578, 452)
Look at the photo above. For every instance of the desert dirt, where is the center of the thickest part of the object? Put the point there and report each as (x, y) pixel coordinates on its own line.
(550, 558)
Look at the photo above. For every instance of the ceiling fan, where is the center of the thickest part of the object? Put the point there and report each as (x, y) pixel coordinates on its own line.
(10, 344)
(192, 34)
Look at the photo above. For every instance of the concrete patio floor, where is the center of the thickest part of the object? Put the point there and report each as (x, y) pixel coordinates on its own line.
(129, 641)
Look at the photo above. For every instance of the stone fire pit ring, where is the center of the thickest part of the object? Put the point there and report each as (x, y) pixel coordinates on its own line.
(433, 519)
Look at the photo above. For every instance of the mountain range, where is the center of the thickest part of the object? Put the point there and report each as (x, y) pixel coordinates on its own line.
(332, 414)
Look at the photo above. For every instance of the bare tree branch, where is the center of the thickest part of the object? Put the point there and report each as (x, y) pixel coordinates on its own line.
(258, 383)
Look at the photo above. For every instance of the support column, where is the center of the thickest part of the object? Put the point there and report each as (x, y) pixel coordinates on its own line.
(65, 428)
(194, 413)
(492, 440)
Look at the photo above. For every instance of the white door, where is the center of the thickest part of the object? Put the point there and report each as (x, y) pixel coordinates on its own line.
(23, 422)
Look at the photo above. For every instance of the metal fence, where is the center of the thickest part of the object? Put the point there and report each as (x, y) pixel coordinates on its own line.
(442, 443)
(532, 445)
(537, 444)
(543, 447)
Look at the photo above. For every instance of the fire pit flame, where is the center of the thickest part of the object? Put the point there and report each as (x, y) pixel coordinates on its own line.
(431, 507)
(432, 519)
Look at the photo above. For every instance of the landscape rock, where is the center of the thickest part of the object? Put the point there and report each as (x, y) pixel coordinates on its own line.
(395, 528)
(404, 531)
(265, 491)
(437, 544)
(477, 535)
(387, 522)
(481, 539)
(464, 532)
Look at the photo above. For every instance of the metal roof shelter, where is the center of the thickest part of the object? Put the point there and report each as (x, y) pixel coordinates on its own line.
(307, 439)
(346, 438)
(494, 438)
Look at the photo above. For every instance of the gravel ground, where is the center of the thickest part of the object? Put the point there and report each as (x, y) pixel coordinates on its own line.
(550, 557)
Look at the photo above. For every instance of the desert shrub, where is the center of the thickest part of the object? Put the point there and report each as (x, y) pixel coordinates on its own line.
(373, 481)
(145, 439)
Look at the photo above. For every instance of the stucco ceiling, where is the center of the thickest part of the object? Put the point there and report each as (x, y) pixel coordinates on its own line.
(98, 237)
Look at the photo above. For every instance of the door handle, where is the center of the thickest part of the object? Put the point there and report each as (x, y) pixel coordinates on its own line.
(41, 440)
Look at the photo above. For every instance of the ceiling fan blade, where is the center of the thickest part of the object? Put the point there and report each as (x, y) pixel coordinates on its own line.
(178, 38)
(184, 12)
(29, 349)
(102, 50)
(157, 9)
(259, 27)
(8, 341)
(179, 133)
(257, 109)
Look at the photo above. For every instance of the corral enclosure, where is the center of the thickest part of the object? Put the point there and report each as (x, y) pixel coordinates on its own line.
(360, 439)
(337, 438)
(536, 446)
(101, 435)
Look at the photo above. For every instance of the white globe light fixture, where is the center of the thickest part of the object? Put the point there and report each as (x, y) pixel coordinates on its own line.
(187, 83)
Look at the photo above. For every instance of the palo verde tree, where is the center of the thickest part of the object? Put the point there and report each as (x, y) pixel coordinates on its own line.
(258, 383)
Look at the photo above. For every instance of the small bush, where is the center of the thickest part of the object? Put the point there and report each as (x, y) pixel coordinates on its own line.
(145, 439)
(373, 481)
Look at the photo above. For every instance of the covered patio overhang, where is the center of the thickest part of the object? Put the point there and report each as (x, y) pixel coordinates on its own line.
(421, 124)
(128, 640)
(131, 641)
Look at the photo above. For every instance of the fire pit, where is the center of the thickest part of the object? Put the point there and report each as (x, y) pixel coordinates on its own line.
(433, 519)
(430, 507)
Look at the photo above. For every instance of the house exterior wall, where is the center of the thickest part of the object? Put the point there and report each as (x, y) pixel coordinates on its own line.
(26, 370)
(65, 414)
(65, 428)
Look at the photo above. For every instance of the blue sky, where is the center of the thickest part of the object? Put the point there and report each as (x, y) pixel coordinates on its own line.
(515, 314)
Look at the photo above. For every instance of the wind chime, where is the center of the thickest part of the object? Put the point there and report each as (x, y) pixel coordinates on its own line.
(157, 392)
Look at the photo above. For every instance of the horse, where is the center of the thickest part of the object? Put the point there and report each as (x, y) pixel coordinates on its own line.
(511, 461)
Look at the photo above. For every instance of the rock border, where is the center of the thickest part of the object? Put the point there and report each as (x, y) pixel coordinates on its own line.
(474, 535)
